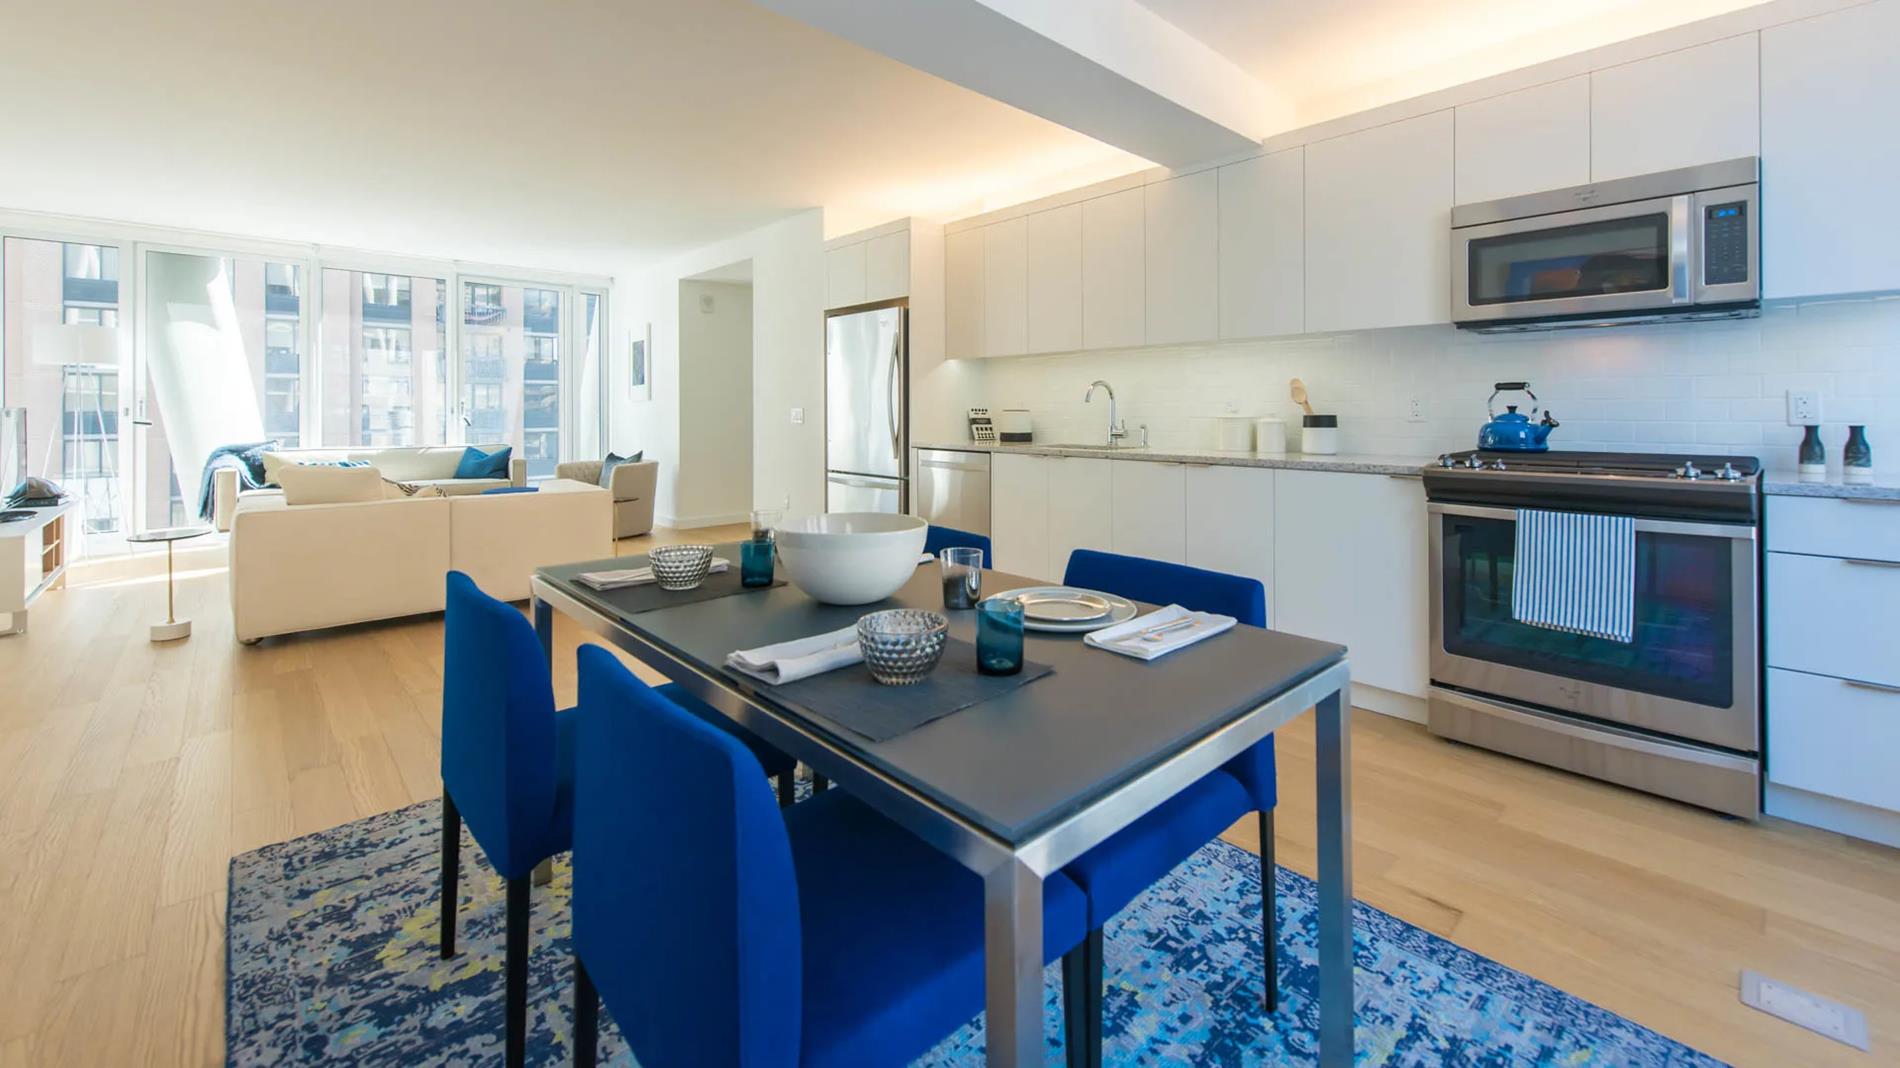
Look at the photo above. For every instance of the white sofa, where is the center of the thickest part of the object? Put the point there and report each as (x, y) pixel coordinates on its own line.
(428, 466)
(633, 487)
(307, 567)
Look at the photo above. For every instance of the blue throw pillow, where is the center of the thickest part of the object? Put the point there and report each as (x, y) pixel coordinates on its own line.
(612, 461)
(511, 489)
(478, 464)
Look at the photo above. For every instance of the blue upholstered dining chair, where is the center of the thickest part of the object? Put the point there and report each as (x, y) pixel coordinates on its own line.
(1113, 873)
(937, 539)
(684, 926)
(508, 767)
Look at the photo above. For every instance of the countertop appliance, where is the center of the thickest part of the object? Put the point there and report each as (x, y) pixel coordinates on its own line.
(1682, 244)
(866, 409)
(1514, 431)
(953, 489)
(1015, 426)
(1676, 711)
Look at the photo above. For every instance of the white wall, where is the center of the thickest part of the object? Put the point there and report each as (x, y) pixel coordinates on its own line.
(788, 354)
(715, 404)
(1705, 387)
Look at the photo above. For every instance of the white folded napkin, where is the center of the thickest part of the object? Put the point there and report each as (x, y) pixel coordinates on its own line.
(800, 658)
(924, 558)
(635, 576)
(1144, 638)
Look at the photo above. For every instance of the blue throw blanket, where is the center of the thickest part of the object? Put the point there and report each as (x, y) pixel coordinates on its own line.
(249, 462)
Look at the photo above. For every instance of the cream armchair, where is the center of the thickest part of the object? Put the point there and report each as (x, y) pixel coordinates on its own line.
(632, 489)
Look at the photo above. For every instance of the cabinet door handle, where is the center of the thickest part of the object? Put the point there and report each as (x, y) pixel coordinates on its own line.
(1879, 687)
(1860, 562)
(1870, 500)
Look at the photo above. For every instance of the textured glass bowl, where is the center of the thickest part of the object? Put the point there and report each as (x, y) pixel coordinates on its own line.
(902, 646)
(680, 567)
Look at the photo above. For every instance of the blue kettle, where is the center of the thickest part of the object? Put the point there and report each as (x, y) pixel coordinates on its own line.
(1513, 431)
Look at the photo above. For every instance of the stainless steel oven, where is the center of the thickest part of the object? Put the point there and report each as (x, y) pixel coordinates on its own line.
(1677, 710)
(1678, 244)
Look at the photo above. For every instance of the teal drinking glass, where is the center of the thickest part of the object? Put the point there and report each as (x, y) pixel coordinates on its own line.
(758, 552)
(999, 636)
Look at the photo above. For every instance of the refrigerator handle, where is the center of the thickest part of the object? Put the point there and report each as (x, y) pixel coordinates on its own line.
(890, 388)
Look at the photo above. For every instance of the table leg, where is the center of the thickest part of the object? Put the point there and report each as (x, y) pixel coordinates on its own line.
(544, 628)
(1012, 964)
(1334, 744)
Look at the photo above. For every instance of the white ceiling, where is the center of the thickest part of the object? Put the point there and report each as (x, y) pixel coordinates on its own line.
(1336, 57)
(588, 134)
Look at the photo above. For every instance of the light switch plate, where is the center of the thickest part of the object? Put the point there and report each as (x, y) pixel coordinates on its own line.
(1804, 407)
(1839, 1022)
(798, 415)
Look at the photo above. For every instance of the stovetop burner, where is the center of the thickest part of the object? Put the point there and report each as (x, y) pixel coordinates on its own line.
(1658, 485)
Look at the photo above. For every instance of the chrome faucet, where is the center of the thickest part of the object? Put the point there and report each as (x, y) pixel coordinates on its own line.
(1116, 431)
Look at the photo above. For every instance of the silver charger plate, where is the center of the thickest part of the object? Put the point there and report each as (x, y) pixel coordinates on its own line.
(1063, 606)
(1118, 609)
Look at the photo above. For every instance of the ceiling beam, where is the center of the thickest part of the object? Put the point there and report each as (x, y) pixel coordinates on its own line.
(1111, 69)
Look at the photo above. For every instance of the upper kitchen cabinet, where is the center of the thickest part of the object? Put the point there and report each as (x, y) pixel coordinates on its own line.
(887, 266)
(1055, 279)
(1524, 142)
(1262, 245)
(1114, 262)
(1005, 288)
(964, 267)
(844, 275)
(1823, 80)
(1182, 242)
(1681, 109)
(1378, 226)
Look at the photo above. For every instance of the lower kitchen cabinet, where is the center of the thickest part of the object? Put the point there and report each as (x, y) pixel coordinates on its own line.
(1080, 491)
(1019, 513)
(1350, 561)
(1230, 521)
(1149, 510)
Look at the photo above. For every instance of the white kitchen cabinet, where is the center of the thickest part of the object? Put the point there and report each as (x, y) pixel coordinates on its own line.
(1229, 521)
(1055, 279)
(963, 283)
(1833, 737)
(1807, 594)
(1529, 141)
(1080, 515)
(844, 275)
(1823, 80)
(887, 266)
(1182, 255)
(1019, 514)
(1262, 245)
(1113, 268)
(1350, 566)
(1149, 505)
(1681, 109)
(1378, 218)
(1005, 288)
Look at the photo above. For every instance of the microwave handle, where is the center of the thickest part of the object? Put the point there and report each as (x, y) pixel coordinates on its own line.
(1681, 248)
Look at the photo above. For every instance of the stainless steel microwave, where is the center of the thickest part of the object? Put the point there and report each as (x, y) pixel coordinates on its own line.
(1682, 244)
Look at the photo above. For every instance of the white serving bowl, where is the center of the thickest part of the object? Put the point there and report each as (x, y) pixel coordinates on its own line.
(850, 557)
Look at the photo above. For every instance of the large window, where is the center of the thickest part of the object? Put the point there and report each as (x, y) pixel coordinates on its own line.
(384, 378)
(512, 369)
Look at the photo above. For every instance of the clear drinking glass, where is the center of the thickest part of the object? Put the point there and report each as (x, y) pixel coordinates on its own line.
(757, 553)
(999, 636)
(962, 577)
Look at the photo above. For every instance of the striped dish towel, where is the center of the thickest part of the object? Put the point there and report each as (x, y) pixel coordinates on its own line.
(1575, 573)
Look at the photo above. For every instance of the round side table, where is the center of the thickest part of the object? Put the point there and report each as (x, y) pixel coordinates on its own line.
(173, 628)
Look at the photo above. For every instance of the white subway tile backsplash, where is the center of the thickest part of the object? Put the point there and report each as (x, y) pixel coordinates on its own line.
(1716, 386)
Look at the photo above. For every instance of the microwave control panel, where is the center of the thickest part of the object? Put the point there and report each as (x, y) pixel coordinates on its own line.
(1725, 243)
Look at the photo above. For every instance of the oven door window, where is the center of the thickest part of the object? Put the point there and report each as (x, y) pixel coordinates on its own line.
(1629, 255)
(1685, 615)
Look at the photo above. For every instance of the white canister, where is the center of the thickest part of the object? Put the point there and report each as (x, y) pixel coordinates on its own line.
(1319, 434)
(1269, 436)
(1236, 433)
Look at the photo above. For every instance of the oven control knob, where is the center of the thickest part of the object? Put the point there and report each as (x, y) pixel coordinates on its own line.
(1475, 462)
(1728, 473)
(1688, 470)
(1445, 460)
(1497, 465)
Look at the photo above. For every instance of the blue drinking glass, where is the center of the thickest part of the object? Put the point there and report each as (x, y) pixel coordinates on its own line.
(999, 636)
(755, 562)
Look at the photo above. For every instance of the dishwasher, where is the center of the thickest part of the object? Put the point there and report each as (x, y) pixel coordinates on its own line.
(952, 489)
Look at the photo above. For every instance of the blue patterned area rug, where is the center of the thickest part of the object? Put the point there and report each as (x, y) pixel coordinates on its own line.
(332, 959)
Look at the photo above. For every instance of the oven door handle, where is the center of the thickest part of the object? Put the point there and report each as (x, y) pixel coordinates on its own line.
(1737, 531)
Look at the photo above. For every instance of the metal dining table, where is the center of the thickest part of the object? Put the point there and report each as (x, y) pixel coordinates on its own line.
(1020, 785)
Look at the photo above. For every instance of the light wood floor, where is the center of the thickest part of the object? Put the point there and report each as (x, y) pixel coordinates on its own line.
(130, 773)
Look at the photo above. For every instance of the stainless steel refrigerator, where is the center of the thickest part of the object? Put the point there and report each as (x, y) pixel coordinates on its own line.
(866, 409)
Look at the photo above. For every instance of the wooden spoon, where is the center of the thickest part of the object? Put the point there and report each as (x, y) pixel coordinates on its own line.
(1299, 396)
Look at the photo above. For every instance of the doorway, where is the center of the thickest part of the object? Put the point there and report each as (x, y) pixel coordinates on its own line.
(714, 484)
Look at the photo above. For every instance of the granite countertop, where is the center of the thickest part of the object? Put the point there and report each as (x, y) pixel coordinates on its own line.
(1785, 482)
(1348, 462)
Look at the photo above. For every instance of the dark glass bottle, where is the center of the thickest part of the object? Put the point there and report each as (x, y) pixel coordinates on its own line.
(1857, 458)
(1813, 455)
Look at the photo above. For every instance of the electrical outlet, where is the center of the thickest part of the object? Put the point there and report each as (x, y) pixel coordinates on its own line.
(1415, 411)
(1804, 407)
(798, 415)
(787, 504)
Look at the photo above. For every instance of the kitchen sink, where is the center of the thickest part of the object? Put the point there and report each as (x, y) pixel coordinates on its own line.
(1089, 445)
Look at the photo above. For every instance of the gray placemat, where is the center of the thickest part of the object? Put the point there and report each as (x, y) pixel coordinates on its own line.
(632, 600)
(851, 698)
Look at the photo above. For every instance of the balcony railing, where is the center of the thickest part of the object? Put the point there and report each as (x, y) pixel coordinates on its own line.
(279, 301)
(387, 313)
(484, 370)
(541, 371)
(482, 313)
(92, 290)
